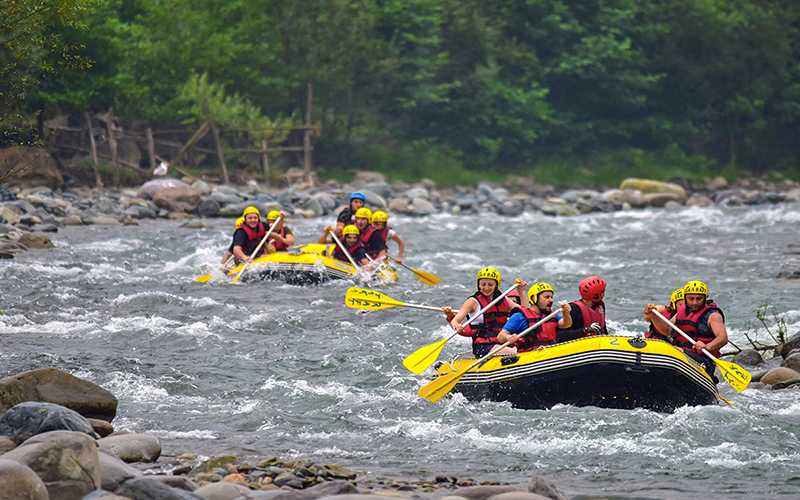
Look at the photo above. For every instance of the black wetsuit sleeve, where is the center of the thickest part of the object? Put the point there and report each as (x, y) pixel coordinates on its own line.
(359, 254)
(577, 327)
(240, 239)
(376, 242)
(345, 216)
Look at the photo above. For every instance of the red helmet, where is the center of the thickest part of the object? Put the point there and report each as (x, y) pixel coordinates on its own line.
(592, 288)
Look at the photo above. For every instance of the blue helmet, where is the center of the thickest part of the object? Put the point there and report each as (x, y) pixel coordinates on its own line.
(358, 196)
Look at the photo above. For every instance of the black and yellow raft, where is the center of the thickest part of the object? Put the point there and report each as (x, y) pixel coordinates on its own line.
(604, 371)
(306, 265)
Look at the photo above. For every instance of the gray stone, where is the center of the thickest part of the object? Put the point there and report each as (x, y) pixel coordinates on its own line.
(151, 188)
(35, 241)
(100, 427)
(518, 495)
(398, 205)
(29, 419)
(223, 491)
(140, 212)
(312, 205)
(792, 362)
(20, 482)
(699, 201)
(375, 201)
(177, 199)
(730, 196)
(202, 188)
(225, 199)
(73, 220)
(660, 200)
(748, 357)
(131, 447)
(349, 496)
(338, 487)
(104, 495)
(102, 221)
(226, 189)
(65, 461)
(417, 192)
(546, 488)
(6, 444)
(380, 188)
(208, 208)
(146, 488)
(790, 345)
(484, 492)
(363, 178)
(9, 214)
(45, 228)
(326, 200)
(177, 482)
(59, 387)
(780, 375)
(484, 192)
(421, 206)
(114, 472)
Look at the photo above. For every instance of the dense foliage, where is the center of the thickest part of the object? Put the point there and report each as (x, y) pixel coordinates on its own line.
(505, 86)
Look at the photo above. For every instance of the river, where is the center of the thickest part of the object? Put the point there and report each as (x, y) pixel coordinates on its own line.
(264, 368)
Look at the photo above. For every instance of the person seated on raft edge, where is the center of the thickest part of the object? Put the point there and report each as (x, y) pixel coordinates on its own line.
(381, 222)
(675, 301)
(540, 297)
(588, 314)
(702, 320)
(351, 242)
(229, 253)
(249, 235)
(370, 236)
(513, 296)
(345, 218)
(484, 328)
(281, 238)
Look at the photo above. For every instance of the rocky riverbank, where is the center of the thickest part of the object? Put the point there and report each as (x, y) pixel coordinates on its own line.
(25, 214)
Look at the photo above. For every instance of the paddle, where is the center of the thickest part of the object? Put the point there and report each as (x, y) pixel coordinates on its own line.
(442, 385)
(425, 356)
(427, 278)
(255, 252)
(344, 250)
(207, 277)
(361, 298)
(733, 374)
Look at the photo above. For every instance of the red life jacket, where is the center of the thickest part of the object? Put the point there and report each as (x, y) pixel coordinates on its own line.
(542, 335)
(279, 246)
(339, 255)
(493, 319)
(591, 315)
(365, 236)
(254, 237)
(384, 233)
(695, 325)
(653, 333)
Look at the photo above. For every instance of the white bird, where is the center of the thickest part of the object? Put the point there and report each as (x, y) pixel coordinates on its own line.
(161, 169)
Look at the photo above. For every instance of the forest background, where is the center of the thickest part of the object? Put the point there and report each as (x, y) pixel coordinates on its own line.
(566, 91)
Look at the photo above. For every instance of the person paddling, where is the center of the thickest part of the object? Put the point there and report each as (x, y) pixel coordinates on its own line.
(675, 302)
(588, 314)
(484, 328)
(281, 238)
(369, 235)
(540, 297)
(249, 235)
(351, 242)
(381, 222)
(345, 218)
(229, 253)
(701, 319)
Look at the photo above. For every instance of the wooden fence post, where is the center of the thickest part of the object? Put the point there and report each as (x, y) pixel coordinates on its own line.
(265, 159)
(98, 181)
(151, 149)
(112, 143)
(307, 134)
(220, 155)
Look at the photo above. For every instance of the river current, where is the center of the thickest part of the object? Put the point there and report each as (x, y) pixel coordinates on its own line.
(264, 368)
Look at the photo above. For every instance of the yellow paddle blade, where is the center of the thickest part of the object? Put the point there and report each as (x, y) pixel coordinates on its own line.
(204, 279)
(427, 278)
(418, 361)
(440, 386)
(735, 375)
(361, 298)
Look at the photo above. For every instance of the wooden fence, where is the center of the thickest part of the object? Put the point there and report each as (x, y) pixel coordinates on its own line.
(150, 139)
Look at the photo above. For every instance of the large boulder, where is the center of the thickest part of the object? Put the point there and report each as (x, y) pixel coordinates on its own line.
(151, 188)
(18, 481)
(178, 199)
(484, 492)
(114, 472)
(748, 357)
(792, 362)
(30, 167)
(780, 375)
(32, 418)
(131, 447)
(208, 208)
(55, 386)
(790, 345)
(66, 461)
(146, 488)
(375, 201)
(31, 240)
(647, 186)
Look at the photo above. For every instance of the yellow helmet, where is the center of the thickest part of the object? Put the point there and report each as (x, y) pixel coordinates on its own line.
(251, 210)
(489, 273)
(238, 222)
(350, 229)
(380, 216)
(536, 289)
(273, 215)
(695, 287)
(364, 213)
(675, 297)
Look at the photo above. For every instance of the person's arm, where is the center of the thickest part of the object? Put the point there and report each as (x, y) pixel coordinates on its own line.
(401, 245)
(375, 243)
(717, 326)
(660, 325)
(469, 306)
(523, 297)
(515, 324)
(239, 241)
(227, 256)
(287, 240)
(324, 238)
(564, 335)
(566, 320)
(360, 256)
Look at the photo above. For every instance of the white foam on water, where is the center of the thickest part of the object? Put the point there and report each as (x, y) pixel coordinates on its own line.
(168, 298)
(37, 268)
(135, 388)
(194, 434)
(116, 245)
(154, 324)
